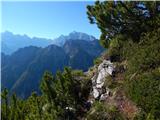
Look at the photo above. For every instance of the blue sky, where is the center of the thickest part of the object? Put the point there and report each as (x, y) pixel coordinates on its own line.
(47, 19)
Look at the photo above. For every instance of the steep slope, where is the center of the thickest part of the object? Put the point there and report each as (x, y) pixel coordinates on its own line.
(108, 94)
(91, 47)
(132, 91)
(81, 51)
(4, 60)
(13, 66)
(51, 58)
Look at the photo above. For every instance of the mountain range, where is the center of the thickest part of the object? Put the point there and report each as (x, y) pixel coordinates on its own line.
(12, 42)
(23, 69)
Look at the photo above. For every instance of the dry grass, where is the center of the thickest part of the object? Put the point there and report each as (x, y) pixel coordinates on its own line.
(125, 106)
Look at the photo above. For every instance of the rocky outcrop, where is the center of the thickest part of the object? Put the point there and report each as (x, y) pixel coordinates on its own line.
(108, 74)
(105, 69)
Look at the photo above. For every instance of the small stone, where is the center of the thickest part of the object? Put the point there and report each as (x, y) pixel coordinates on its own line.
(103, 97)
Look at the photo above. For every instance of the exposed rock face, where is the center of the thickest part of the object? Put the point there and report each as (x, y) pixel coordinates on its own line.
(105, 69)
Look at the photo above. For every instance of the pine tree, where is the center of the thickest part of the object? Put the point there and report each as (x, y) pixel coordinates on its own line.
(124, 17)
(13, 107)
(5, 108)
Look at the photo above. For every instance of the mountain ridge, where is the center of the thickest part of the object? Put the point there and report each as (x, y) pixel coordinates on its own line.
(12, 42)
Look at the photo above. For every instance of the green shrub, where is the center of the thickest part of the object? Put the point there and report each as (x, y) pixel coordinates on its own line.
(77, 73)
(97, 61)
(109, 83)
(100, 111)
(120, 47)
(146, 55)
(144, 89)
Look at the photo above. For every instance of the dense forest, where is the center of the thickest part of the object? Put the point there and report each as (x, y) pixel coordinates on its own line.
(130, 32)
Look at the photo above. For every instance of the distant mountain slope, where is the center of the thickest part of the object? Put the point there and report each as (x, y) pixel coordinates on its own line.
(91, 47)
(51, 58)
(22, 71)
(13, 66)
(81, 51)
(11, 43)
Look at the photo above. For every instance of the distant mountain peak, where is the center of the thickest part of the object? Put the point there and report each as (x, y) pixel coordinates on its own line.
(6, 33)
(81, 35)
(60, 41)
(12, 42)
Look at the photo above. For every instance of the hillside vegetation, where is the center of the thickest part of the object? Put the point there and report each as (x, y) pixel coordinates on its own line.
(130, 32)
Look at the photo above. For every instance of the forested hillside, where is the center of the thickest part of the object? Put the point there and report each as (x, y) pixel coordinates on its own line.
(123, 84)
(22, 71)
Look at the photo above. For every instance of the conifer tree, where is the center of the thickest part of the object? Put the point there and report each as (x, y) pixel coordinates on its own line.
(124, 17)
(5, 109)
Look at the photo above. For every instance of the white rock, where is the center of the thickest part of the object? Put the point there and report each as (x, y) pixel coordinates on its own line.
(107, 92)
(110, 70)
(102, 74)
(95, 92)
(105, 69)
(69, 108)
(100, 85)
(45, 107)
